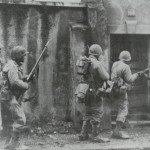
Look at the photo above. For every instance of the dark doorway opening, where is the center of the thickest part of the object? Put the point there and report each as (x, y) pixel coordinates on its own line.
(138, 46)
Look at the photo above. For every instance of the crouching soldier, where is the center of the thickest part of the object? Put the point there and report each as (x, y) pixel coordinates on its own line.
(12, 91)
(92, 79)
(121, 76)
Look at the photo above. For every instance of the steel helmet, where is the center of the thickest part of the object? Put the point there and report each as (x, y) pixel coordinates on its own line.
(125, 55)
(95, 49)
(18, 52)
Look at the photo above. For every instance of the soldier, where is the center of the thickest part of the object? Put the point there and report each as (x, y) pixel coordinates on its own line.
(94, 78)
(121, 74)
(12, 91)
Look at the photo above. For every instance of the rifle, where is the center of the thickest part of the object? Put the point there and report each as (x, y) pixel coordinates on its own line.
(36, 64)
(147, 73)
(144, 72)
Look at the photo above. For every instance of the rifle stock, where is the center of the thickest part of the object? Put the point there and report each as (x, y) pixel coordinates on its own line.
(36, 64)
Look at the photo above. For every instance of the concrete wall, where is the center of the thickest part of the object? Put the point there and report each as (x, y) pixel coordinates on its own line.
(32, 27)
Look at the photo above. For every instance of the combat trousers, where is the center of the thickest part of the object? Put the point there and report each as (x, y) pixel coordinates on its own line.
(93, 115)
(122, 105)
(13, 115)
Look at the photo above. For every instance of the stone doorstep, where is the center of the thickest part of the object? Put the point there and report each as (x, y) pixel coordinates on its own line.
(136, 123)
(142, 148)
(136, 148)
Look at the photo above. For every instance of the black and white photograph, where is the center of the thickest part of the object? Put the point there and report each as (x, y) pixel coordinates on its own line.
(74, 74)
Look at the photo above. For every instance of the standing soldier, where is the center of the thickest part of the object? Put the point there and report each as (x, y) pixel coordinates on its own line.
(94, 78)
(121, 76)
(12, 91)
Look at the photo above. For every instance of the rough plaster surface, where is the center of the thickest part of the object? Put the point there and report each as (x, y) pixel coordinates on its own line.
(117, 14)
(32, 26)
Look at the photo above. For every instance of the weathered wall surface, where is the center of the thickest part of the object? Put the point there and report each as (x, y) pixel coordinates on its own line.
(32, 27)
(78, 41)
(134, 13)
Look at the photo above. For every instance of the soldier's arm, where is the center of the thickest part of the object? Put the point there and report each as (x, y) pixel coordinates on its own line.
(14, 80)
(128, 76)
(102, 72)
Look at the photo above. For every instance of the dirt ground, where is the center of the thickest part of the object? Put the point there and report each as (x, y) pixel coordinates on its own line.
(140, 139)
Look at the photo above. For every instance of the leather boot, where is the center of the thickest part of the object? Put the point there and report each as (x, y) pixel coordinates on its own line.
(126, 124)
(118, 133)
(84, 134)
(96, 137)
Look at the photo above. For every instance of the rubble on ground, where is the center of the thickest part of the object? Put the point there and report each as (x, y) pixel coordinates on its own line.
(54, 127)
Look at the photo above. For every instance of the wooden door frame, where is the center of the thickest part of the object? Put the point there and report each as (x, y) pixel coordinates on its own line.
(148, 51)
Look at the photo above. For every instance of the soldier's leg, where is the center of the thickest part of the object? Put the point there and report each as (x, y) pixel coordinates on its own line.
(97, 113)
(6, 120)
(96, 137)
(122, 110)
(84, 131)
(18, 115)
(95, 128)
(121, 117)
(19, 121)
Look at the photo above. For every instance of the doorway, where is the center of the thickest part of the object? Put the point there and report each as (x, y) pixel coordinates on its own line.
(138, 46)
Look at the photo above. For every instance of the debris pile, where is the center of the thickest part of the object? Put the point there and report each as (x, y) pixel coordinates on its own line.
(54, 127)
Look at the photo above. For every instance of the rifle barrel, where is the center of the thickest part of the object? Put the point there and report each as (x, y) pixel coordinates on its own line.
(34, 67)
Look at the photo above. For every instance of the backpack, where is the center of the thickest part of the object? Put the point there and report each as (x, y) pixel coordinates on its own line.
(83, 65)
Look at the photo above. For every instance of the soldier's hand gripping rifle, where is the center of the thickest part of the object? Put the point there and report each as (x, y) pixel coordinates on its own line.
(144, 73)
(36, 64)
(147, 73)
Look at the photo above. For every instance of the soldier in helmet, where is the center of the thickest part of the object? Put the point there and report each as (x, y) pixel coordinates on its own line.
(121, 74)
(12, 91)
(94, 104)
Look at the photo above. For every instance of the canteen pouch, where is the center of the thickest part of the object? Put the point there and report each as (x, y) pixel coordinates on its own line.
(82, 66)
(81, 92)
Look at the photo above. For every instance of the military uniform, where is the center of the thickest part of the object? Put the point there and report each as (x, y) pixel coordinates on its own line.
(121, 70)
(94, 104)
(12, 90)
(11, 93)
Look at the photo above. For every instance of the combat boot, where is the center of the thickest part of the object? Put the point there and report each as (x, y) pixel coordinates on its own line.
(95, 137)
(118, 133)
(126, 124)
(84, 134)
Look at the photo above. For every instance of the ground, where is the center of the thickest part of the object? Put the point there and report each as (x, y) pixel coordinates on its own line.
(140, 139)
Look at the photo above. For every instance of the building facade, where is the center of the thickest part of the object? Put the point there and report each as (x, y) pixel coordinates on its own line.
(71, 26)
